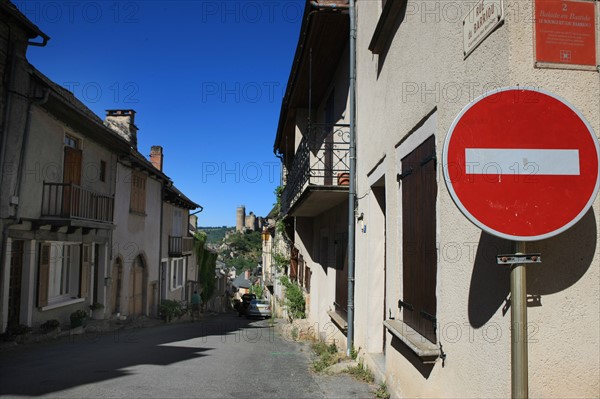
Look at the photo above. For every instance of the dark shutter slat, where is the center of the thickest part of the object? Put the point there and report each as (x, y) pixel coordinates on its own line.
(43, 275)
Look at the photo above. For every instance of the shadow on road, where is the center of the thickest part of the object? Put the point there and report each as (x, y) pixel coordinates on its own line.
(79, 360)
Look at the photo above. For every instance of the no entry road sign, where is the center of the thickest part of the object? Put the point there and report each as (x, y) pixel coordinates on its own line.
(521, 164)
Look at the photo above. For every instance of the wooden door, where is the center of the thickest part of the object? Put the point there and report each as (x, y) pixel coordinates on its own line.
(14, 288)
(137, 288)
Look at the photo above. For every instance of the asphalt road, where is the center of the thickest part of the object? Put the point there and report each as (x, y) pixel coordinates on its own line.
(219, 357)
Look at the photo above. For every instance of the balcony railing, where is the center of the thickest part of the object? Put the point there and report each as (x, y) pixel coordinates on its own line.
(179, 246)
(322, 159)
(69, 201)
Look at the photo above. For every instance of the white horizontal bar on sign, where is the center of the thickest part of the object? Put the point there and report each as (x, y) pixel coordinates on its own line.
(517, 161)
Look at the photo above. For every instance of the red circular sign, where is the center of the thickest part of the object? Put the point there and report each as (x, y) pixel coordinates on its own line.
(521, 164)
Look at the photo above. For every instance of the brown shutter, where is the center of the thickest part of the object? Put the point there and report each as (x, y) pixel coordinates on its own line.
(72, 166)
(84, 283)
(419, 255)
(294, 264)
(43, 275)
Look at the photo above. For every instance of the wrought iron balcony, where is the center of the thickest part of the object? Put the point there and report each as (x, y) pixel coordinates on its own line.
(70, 201)
(321, 163)
(180, 246)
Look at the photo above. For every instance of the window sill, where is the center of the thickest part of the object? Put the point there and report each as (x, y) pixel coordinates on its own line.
(137, 213)
(338, 321)
(62, 303)
(421, 346)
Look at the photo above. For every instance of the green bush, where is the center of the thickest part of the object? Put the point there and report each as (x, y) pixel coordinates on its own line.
(257, 290)
(169, 309)
(294, 298)
(78, 318)
(50, 325)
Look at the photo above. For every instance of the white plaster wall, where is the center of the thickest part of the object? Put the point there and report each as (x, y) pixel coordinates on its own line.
(136, 234)
(44, 161)
(322, 289)
(426, 54)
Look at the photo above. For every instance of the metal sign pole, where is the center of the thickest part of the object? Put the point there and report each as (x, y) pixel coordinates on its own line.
(518, 314)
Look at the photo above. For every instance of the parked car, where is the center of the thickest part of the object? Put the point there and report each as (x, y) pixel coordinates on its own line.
(243, 306)
(259, 308)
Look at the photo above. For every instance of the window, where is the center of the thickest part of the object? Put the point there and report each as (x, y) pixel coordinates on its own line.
(177, 273)
(63, 272)
(177, 222)
(71, 141)
(102, 176)
(419, 256)
(138, 192)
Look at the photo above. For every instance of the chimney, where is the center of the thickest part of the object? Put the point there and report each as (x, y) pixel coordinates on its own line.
(122, 121)
(156, 156)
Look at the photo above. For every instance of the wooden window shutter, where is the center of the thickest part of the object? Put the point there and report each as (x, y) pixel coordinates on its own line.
(419, 253)
(72, 166)
(294, 264)
(84, 283)
(43, 275)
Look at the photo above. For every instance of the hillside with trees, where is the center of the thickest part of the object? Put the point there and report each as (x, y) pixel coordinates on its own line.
(242, 250)
(215, 235)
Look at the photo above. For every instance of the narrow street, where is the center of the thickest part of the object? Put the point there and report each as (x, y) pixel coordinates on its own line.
(220, 357)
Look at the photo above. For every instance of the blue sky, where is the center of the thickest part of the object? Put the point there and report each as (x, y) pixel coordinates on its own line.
(206, 79)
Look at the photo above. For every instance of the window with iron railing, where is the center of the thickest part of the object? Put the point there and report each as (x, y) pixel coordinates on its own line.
(321, 159)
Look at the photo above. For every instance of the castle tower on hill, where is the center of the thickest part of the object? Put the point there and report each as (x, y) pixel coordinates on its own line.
(240, 219)
(249, 222)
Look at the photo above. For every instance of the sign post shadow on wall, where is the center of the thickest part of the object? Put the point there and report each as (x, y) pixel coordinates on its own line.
(522, 165)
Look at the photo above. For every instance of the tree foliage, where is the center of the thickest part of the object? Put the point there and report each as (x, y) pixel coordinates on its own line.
(207, 262)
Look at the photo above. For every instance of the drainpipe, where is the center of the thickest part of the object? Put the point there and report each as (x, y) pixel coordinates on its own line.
(352, 187)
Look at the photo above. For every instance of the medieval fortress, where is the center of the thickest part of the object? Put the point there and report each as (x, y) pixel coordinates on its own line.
(245, 222)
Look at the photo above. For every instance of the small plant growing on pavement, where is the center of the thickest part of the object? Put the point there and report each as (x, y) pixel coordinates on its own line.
(361, 372)
(326, 355)
(381, 392)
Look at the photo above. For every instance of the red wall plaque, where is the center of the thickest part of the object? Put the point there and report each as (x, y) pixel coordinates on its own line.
(565, 32)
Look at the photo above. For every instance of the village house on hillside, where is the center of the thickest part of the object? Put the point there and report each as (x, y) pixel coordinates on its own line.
(81, 208)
